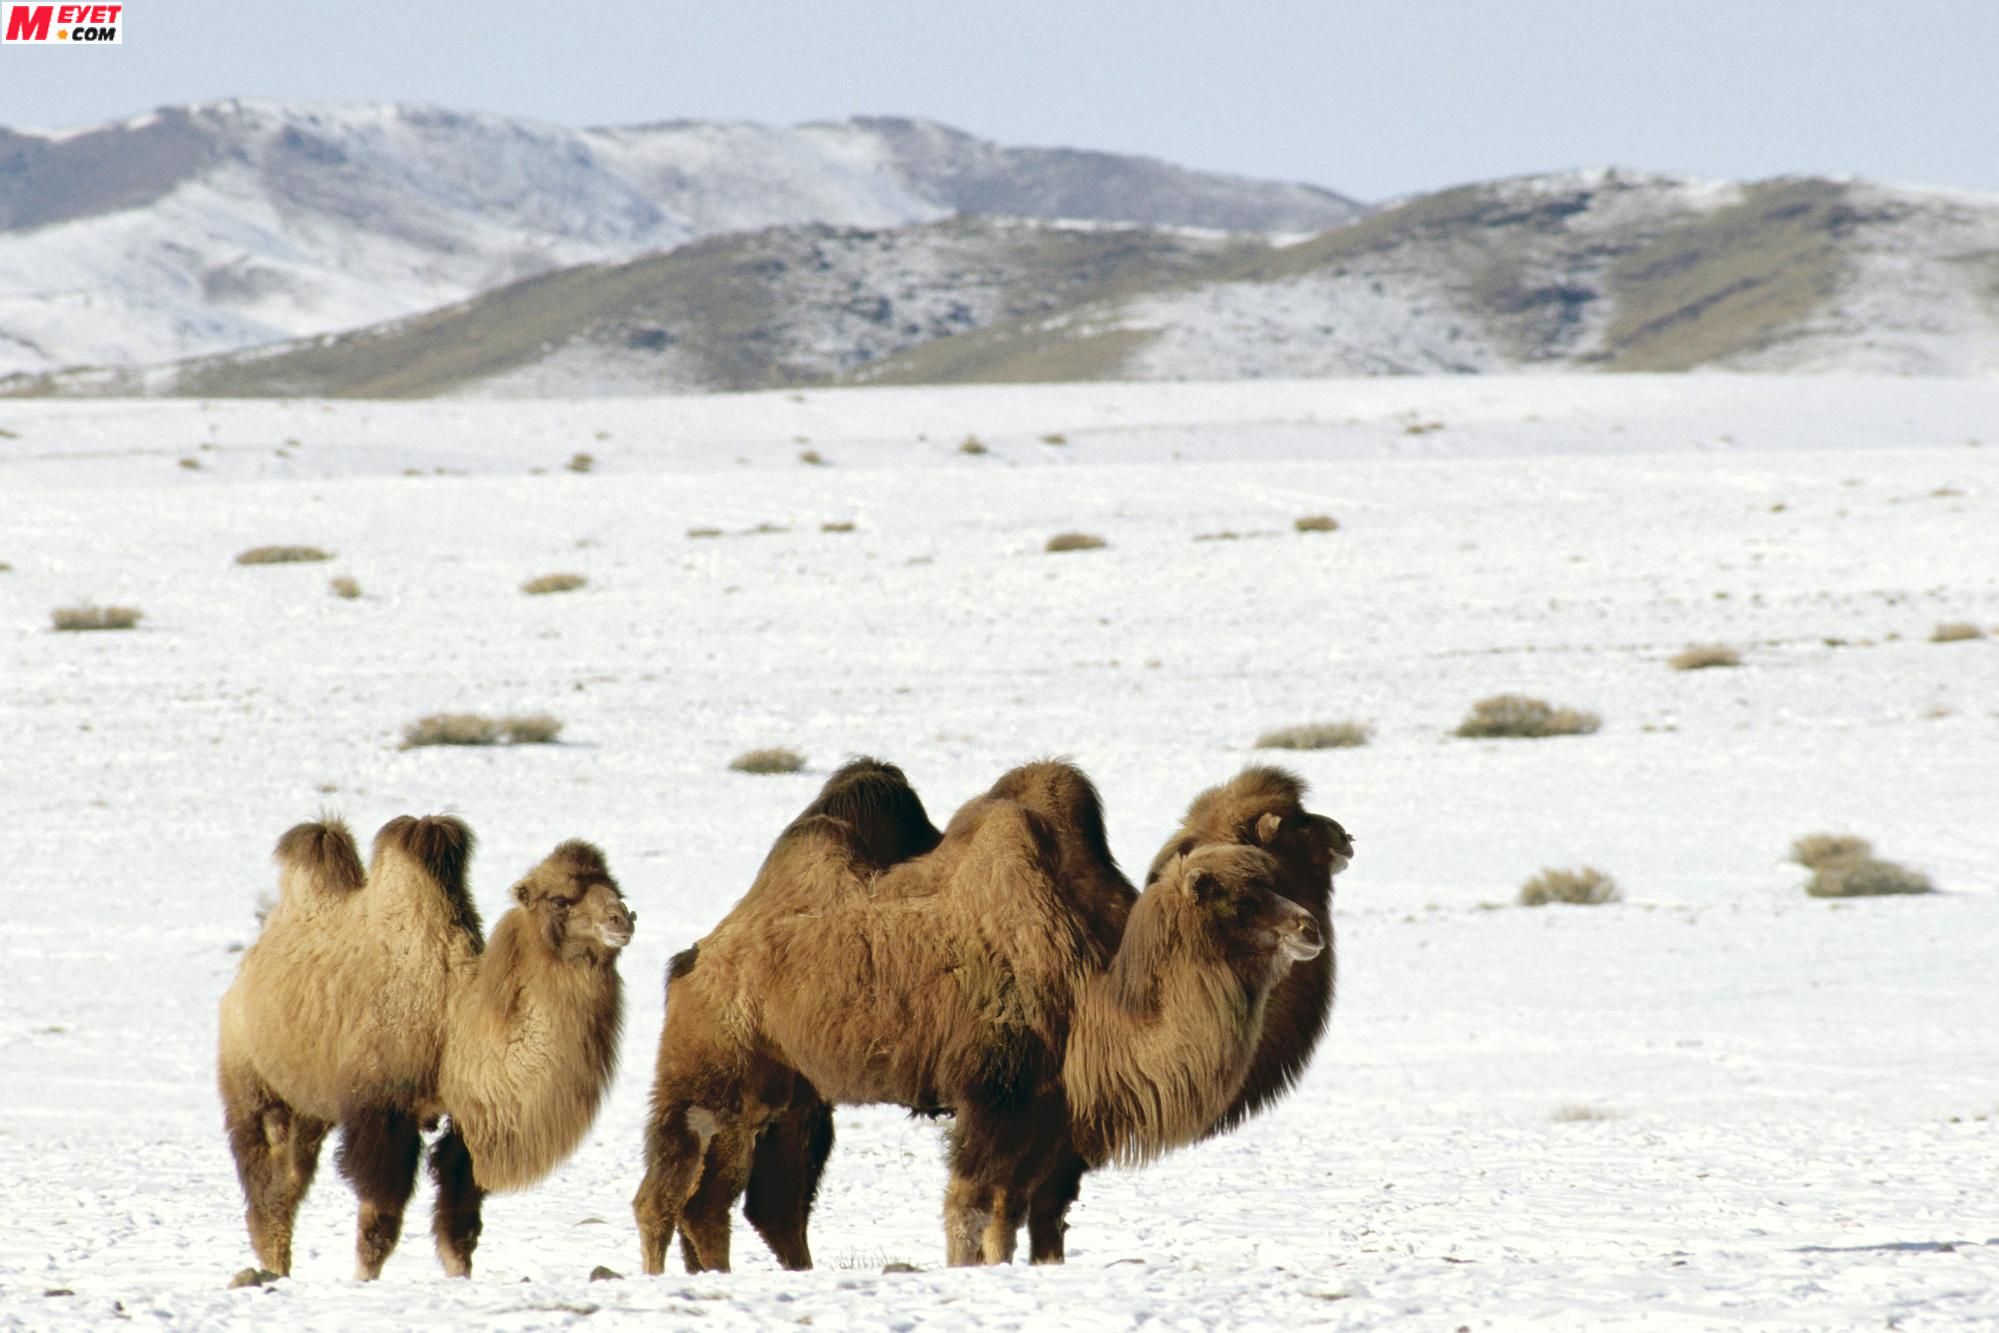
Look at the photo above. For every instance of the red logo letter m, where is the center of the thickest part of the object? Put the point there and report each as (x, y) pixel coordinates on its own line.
(29, 23)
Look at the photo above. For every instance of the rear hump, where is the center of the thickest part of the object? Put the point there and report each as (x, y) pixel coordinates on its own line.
(441, 846)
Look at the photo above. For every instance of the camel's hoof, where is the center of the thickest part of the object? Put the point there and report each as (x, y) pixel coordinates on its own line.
(253, 1277)
(602, 1274)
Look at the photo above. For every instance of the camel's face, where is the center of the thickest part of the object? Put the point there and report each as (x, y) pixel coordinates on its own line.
(1235, 889)
(601, 918)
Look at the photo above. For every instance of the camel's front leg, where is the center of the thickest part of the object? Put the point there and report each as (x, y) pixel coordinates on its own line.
(378, 1155)
(454, 1222)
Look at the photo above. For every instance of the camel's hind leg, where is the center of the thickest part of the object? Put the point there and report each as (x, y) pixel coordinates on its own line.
(378, 1155)
(785, 1168)
(455, 1220)
(675, 1150)
(277, 1152)
(704, 1221)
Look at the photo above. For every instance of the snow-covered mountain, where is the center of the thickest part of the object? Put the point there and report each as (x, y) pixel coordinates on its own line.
(222, 226)
(1578, 271)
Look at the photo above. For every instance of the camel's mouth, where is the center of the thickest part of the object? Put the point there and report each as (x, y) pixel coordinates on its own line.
(1302, 942)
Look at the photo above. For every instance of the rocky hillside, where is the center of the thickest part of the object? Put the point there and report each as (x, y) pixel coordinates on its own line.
(1580, 271)
(220, 227)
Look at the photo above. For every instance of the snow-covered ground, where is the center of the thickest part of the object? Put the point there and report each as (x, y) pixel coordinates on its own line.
(1717, 1103)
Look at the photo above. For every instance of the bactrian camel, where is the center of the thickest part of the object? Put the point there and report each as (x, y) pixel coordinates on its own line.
(370, 1001)
(972, 979)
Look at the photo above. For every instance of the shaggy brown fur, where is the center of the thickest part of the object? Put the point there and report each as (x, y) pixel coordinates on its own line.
(366, 1003)
(1262, 806)
(950, 982)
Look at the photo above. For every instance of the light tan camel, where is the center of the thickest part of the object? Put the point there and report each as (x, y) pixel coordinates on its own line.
(966, 980)
(1260, 807)
(370, 1002)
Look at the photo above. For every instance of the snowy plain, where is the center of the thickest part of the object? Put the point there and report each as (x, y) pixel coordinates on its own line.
(1715, 1104)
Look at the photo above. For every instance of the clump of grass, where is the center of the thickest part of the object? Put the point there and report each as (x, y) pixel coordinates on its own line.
(1866, 877)
(1073, 541)
(773, 759)
(1316, 736)
(811, 458)
(282, 555)
(478, 729)
(1823, 849)
(75, 619)
(1701, 656)
(191, 463)
(345, 586)
(1516, 715)
(1316, 523)
(1055, 437)
(1955, 631)
(548, 583)
(1577, 1114)
(837, 525)
(1585, 886)
(972, 444)
(704, 532)
(581, 462)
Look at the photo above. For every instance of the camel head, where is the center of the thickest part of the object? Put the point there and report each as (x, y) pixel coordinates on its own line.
(1300, 838)
(1231, 894)
(577, 904)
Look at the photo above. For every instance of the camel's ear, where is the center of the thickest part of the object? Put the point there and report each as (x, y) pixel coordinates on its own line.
(1267, 829)
(523, 892)
(1203, 886)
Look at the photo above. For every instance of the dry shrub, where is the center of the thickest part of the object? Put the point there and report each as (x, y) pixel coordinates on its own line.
(1316, 736)
(812, 458)
(1516, 715)
(838, 525)
(345, 586)
(1577, 1114)
(478, 729)
(1316, 523)
(1955, 631)
(191, 463)
(282, 555)
(704, 532)
(774, 759)
(1865, 877)
(972, 444)
(1585, 886)
(581, 462)
(548, 583)
(1073, 541)
(1824, 849)
(1703, 655)
(1055, 437)
(74, 619)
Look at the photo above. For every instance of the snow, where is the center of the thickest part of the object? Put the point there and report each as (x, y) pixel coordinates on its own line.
(1716, 1103)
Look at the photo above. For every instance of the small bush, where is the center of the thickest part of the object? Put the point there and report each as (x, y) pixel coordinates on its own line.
(1073, 541)
(1576, 1114)
(1955, 631)
(1824, 849)
(1316, 523)
(812, 458)
(704, 532)
(74, 619)
(1585, 886)
(548, 583)
(1516, 715)
(191, 463)
(1865, 877)
(972, 444)
(344, 586)
(1055, 437)
(838, 525)
(1316, 736)
(477, 729)
(774, 759)
(581, 462)
(282, 555)
(1703, 655)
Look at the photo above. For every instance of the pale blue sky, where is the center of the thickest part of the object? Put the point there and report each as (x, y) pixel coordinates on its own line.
(1370, 97)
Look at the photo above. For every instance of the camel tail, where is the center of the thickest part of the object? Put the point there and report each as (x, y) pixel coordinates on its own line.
(319, 856)
(441, 846)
